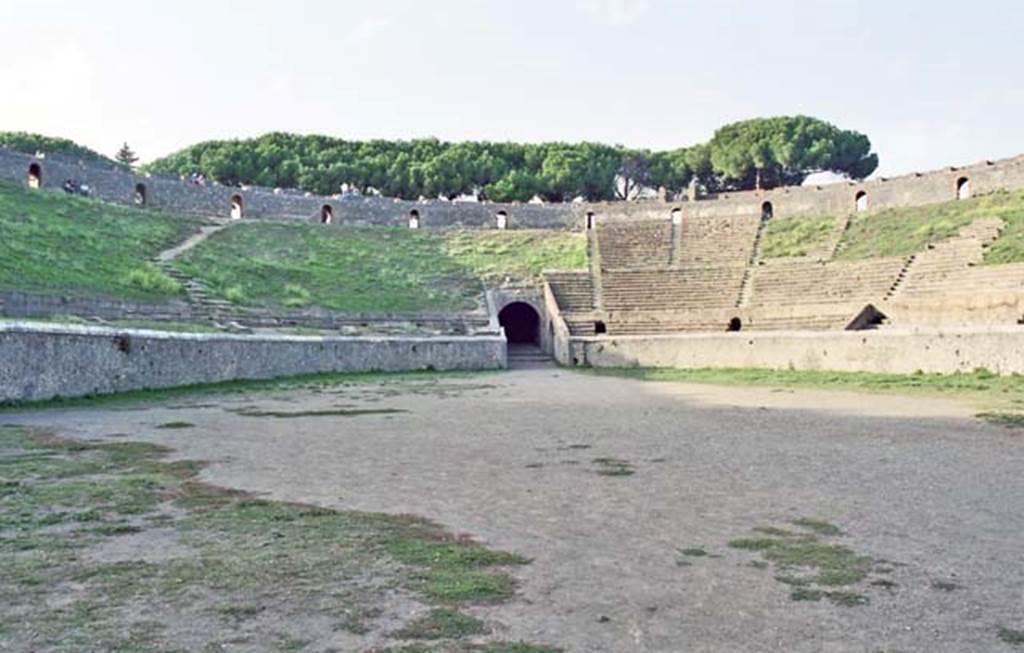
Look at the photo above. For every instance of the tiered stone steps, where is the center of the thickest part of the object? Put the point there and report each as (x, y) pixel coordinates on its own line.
(634, 244)
(718, 241)
(953, 266)
(574, 291)
(654, 290)
(783, 282)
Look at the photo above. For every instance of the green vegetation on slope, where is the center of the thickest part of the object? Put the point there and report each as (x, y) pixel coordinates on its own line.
(32, 143)
(56, 243)
(519, 256)
(371, 269)
(904, 231)
(796, 236)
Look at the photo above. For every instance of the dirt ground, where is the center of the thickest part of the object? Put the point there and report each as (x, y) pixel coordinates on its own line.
(626, 495)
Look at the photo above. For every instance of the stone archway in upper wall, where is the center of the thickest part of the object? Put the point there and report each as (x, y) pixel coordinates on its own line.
(963, 188)
(35, 175)
(326, 214)
(237, 207)
(860, 201)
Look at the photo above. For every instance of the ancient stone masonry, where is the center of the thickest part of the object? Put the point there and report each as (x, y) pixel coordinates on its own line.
(172, 194)
(45, 361)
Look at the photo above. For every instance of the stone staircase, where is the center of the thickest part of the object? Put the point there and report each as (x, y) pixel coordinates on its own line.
(953, 266)
(204, 306)
(574, 291)
(746, 284)
(522, 356)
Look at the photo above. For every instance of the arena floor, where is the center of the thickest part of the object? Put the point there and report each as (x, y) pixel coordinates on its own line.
(626, 495)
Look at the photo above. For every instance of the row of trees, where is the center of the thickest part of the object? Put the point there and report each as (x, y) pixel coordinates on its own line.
(758, 153)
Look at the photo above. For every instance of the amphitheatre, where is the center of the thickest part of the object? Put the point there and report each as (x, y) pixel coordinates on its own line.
(254, 418)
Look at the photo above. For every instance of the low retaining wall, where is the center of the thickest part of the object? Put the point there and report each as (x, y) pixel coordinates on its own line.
(999, 350)
(68, 361)
(27, 305)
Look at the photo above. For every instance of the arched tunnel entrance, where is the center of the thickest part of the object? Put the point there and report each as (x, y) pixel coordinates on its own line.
(521, 323)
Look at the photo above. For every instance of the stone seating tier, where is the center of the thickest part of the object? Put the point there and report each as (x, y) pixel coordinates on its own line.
(804, 282)
(671, 289)
(574, 291)
(631, 245)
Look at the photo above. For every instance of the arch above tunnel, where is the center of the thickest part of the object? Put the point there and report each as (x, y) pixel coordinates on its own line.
(521, 322)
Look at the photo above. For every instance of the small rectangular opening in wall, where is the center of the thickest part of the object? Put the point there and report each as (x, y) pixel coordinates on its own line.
(600, 327)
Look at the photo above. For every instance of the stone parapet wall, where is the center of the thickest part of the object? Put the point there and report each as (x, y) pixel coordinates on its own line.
(42, 362)
(1000, 350)
(45, 306)
(172, 194)
(39, 305)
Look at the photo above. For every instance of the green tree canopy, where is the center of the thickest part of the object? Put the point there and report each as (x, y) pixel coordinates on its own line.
(126, 156)
(765, 151)
(768, 152)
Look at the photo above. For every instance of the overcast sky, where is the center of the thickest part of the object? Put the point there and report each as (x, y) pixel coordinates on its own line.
(932, 82)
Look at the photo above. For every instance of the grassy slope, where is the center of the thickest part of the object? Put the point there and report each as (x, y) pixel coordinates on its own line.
(51, 242)
(369, 269)
(983, 389)
(795, 236)
(903, 231)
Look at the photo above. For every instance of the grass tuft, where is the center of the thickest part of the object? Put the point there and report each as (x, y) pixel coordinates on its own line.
(1011, 636)
(441, 623)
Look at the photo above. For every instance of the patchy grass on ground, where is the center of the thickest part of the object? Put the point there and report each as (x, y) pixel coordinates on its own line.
(372, 269)
(903, 231)
(112, 547)
(56, 243)
(796, 236)
(983, 389)
(814, 568)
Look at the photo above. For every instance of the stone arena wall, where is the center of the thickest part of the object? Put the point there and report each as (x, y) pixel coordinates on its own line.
(173, 194)
(43, 362)
(888, 351)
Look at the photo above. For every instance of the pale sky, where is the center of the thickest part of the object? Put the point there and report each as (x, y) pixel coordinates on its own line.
(931, 82)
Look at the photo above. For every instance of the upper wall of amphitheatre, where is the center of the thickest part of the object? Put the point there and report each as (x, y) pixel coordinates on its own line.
(173, 194)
